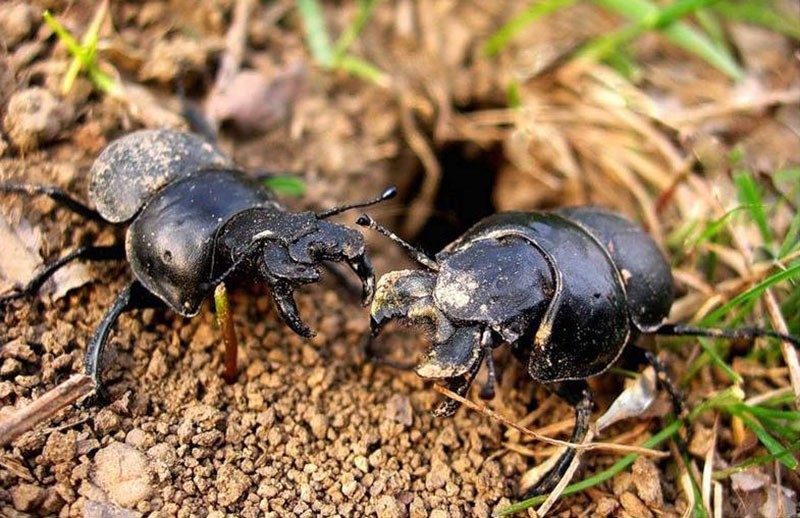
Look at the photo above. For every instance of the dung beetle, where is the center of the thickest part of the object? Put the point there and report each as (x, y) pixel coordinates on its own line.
(193, 219)
(569, 290)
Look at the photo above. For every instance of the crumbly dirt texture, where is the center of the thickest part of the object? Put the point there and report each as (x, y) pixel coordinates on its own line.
(316, 427)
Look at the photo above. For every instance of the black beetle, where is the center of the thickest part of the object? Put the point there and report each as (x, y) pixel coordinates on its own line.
(569, 290)
(194, 219)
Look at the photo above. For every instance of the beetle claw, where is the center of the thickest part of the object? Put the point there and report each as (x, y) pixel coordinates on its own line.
(362, 266)
(287, 308)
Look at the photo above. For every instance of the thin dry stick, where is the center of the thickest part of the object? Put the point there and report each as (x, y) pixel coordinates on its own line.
(422, 207)
(49, 404)
(566, 479)
(235, 45)
(622, 448)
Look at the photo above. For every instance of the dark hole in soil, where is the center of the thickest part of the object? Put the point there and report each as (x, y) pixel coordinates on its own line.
(465, 192)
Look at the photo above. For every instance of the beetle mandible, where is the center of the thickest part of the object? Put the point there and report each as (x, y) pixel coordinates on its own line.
(569, 290)
(193, 220)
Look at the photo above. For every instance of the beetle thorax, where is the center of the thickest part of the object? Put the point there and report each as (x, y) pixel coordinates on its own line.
(491, 281)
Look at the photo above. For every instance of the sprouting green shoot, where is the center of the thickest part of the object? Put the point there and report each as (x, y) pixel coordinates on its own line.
(335, 57)
(84, 53)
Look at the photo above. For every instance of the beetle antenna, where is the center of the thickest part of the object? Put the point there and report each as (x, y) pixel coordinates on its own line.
(415, 253)
(389, 193)
(745, 332)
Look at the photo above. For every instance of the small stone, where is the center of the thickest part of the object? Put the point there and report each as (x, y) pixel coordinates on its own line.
(106, 422)
(123, 472)
(349, 489)
(438, 476)
(647, 480)
(398, 409)
(387, 506)
(634, 506)
(606, 506)
(27, 497)
(319, 425)
(35, 116)
(61, 447)
(198, 419)
(94, 509)
(16, 23)
(138, 438)
(231, 484)
(361, 463)
(439, 513)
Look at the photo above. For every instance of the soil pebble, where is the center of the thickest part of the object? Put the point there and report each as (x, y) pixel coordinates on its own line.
(34, 117)
(16, 23)
(123, 473)
(231, 484)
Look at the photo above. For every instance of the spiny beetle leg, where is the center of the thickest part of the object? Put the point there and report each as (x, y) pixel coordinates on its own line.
(87, 253)
(635, 356)
(56, 194)
(577, 394)
(134, 296)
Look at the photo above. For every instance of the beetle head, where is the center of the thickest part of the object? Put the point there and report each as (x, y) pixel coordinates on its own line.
(486, 289)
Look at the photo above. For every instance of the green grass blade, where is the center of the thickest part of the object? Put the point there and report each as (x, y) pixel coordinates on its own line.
(316, 32)
(755, 291)
(679, 33)
(362, 69)
(763, 13)
(761, 460)
(769, 442)
(506, 33)
(750, 195)
(365, 8)
(599, 478)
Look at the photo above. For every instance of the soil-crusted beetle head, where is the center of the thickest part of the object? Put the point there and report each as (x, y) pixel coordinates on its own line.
(473, 295)
(286, 249)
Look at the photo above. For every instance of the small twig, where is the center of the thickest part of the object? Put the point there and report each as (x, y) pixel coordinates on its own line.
(61, 396)
(420, 208)
(621, 448)
(226, 326)
(565, 479)
(232, 57)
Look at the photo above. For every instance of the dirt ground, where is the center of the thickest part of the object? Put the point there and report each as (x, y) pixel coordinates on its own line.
(315, 428)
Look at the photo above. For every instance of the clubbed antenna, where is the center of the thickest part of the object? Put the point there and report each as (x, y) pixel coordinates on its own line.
(415, 253)
(385, 195)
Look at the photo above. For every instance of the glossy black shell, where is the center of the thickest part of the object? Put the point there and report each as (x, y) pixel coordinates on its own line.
(171, 243)
(598, 261)
(133, 168)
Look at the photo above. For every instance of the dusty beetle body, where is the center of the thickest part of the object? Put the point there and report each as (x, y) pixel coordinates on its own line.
(569, 291)
(193, 219)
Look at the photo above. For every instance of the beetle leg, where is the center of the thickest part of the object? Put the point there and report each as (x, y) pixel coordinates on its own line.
(577, 394)
(636, 356)
(487, 391)
(56, 194)
(90, 253)
(460, 385)
(134, 296)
